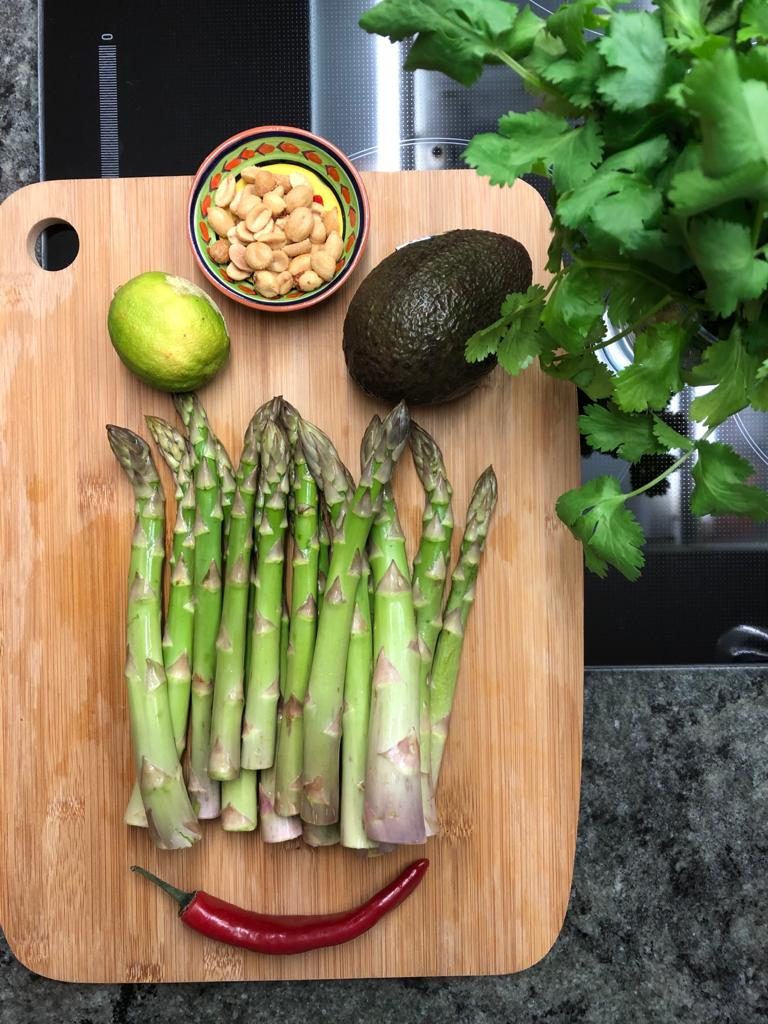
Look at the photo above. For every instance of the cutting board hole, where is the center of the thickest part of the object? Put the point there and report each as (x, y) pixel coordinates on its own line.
(53, 244)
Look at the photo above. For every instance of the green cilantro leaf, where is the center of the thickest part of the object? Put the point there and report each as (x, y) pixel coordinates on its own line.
(454, 36)
(726, 258)
(732, 369)
(644, 156)
(722, 15)
(574, 311)
(631, 295)
(576, 78)
(754, 63)
(655, 373)
(596, 514)
(754, 21)
(685, 30)
(630, 436)
(570, 21)
(635, 45)
(733, 116)
(515, 336)
(668, 437)
(534, 142)
(693, 192)
(584, 369)
(719, 476)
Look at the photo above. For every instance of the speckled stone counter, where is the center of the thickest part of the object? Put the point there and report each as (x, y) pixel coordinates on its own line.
(668, 919)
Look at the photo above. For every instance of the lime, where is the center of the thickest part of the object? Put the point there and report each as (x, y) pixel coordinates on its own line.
(168, 331)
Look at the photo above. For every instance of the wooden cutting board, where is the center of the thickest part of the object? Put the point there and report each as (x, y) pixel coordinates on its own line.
(495, 896)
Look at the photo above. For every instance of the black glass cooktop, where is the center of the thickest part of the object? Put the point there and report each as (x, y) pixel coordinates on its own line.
(149, 87)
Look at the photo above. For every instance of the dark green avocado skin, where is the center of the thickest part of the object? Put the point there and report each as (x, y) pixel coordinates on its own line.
(409, 321)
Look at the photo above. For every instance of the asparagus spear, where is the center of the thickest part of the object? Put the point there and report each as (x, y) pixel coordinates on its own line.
(354, 720)
(263, 686)
(205, 792)
(323, 706)
(239, 803)
(228, 690)
(260, 418)
(321, 835)
(393, 804)
(323, 557)
(303, 624)
(276, 828)
(430, 570)
(170, 817)
(179, 622)
(445, 666)
(332, 476)
(227, 483)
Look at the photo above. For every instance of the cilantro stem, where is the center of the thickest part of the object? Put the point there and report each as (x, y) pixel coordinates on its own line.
(529, 77)
(667, 472)
(662, 476)
(621, 268)
(757, 226)
(633, 326)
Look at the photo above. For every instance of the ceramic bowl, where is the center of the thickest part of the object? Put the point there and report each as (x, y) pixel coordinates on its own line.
(290, 150)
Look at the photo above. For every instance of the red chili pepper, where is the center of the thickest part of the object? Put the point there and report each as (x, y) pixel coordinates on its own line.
(293, 933)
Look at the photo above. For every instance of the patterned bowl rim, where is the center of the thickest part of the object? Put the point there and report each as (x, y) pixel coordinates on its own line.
(360, 242)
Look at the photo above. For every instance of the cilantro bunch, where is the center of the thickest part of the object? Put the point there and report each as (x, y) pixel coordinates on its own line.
(653, 130)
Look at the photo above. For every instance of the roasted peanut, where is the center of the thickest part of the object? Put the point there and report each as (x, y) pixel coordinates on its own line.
(297, 248)
(309, 280)
(264, 181)
(279, 261)
(331, 220)
(299, 224)
(249, 173)
(236, 274)
(280, 222)
(284, 282)
(334, 245)
(256, 222)
(323, 264)
(266, 283)
(275, 239)
(299, 264)
(220, 220)
(284, 181)
(297, 180)
(247, 202)
(225, 193)
(243, 234)
(240, 194)
(258, 255)
(237, 256)
(232, 235)
(274, 203)
(318, 231)
(300, 195)
(219, 251)
(317, 207)
(253, 214)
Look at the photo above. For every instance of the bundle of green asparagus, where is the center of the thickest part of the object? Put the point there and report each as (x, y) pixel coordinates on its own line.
(304, 679)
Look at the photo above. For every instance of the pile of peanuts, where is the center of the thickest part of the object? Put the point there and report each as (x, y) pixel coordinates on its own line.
(272, 230)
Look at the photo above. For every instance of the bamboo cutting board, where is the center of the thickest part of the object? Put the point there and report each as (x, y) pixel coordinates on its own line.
(494, 898)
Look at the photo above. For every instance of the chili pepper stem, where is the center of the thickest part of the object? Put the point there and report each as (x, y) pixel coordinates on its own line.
(182, 898)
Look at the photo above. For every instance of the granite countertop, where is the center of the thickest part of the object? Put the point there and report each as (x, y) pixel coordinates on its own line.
(667, 919)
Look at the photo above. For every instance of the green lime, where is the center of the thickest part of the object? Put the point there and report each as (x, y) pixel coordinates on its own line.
(168, 331)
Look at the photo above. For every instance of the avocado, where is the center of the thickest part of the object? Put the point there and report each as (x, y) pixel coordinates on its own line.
(409, 321)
